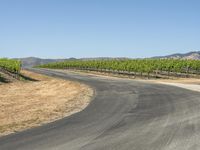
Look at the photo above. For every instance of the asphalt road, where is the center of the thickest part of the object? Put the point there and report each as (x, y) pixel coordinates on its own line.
(124, 115)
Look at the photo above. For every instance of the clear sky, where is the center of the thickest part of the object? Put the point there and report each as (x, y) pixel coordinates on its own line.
(98, 28)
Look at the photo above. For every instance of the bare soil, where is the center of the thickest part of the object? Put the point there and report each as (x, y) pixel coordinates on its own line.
(26, 104)
(180, 80)
(187, 83)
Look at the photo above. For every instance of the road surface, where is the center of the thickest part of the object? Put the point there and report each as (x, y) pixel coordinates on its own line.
(123, 115)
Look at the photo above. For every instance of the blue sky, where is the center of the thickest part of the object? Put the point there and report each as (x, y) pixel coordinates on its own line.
(98, 28)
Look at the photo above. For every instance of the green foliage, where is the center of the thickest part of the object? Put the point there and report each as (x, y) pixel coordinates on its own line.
(131, 65)
(10, 65)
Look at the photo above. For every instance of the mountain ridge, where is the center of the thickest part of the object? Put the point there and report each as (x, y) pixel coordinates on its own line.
(195, 55)
(34, 61)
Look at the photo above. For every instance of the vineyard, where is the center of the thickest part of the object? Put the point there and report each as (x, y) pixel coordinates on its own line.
(143, 67)
(10, 67)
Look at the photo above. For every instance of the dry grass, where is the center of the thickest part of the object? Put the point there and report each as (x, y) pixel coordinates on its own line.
(29, 104)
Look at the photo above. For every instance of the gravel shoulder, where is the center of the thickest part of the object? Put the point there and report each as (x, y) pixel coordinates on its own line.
(186, 83)
(27, 104)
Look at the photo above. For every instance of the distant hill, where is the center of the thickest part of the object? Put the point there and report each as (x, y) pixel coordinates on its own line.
(34, 61)
(104, 58)
(195, 55)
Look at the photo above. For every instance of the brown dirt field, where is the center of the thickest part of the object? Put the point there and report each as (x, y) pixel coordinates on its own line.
(26, 104)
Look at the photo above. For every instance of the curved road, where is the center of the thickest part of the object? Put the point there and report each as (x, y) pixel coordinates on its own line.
(124, 115)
